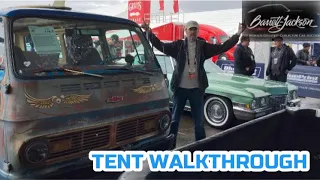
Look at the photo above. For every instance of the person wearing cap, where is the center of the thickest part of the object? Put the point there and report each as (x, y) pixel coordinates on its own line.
(282, 60)
(244, 62)
(115, 46)
(303, 55)
(189, 79)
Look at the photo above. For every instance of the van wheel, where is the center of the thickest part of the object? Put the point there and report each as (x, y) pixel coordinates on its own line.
(218, 112)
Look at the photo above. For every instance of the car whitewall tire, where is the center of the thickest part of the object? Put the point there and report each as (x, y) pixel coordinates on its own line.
(218, 112)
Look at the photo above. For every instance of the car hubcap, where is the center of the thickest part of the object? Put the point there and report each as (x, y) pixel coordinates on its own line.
(216, 111)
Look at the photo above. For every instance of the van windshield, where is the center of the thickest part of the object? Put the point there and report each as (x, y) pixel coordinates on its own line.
(46, 47)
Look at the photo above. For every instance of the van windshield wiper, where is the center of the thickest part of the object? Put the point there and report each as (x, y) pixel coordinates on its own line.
(131, 69)
(70, 70)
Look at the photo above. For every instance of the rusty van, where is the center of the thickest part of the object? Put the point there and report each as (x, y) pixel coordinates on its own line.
(64, 94)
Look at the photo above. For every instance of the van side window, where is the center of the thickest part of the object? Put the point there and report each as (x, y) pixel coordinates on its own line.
(123, 42)
(161, 60)
(169, 64)
(165, 64)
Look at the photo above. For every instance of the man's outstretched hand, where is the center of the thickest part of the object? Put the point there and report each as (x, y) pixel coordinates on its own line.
(241, 28)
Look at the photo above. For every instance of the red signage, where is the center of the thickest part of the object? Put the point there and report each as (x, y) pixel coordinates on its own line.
(115, 99)
(161, 3)
(175, 6)
(139, 10)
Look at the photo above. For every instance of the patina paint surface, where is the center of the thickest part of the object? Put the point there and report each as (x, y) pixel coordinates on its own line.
(37, 108)
(60, 97)
(50, 107)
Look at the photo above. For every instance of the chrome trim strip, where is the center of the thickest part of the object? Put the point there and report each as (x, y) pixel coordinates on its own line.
(251, 111)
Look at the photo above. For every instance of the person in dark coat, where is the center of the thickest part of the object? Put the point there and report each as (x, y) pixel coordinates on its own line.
(282, 60)
(189, 80)
(303, 55)
(243, 58)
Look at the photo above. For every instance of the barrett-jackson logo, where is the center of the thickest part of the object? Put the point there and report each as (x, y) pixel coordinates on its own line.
(135, 5)
(278, 23)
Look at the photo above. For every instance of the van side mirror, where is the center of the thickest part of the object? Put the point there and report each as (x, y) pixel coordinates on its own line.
(1, 40)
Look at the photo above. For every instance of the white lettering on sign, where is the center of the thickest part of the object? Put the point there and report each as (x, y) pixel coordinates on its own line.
(135, 6)
(303, 78)
(134, 14)
(227, 68)
(277, 24)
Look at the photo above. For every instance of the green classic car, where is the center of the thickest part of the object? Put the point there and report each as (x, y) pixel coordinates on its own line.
(230, 97)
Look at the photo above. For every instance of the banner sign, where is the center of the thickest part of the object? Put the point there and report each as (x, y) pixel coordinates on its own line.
(139, 10)
(307, 78)
(290, 19)
(228, 67)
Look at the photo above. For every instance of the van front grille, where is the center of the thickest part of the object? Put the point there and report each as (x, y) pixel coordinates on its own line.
(131, 129)
(113, 135)
(79, 142)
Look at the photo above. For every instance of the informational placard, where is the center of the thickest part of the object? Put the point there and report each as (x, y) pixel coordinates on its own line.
(228, 67)
(307, 78)
(44, 39)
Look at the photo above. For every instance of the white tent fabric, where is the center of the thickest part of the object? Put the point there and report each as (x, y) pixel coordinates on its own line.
(111, 11)
(226, 20)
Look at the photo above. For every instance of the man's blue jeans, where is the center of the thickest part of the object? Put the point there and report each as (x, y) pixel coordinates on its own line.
(196, 100)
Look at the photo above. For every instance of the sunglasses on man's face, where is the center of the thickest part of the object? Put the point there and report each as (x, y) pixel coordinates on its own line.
(193, 29)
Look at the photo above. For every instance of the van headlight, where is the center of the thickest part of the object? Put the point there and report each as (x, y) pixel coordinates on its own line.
(164, 122)
(35, 152)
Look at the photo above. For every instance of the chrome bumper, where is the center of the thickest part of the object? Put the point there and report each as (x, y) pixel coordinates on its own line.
(247, 114)
(294, 103)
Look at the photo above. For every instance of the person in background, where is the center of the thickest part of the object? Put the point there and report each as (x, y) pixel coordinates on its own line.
(316, 61)
(189, 80)
(303, 55)
(244, 59)
(282, 60)
(115, 46)
(313, 61)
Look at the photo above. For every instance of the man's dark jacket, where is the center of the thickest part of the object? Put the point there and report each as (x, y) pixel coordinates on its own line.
(177, 50)
(288, 60)
(242, 60)
(303, 57)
